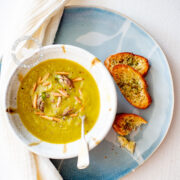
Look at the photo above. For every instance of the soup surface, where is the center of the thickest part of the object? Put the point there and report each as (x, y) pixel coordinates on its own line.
(53, 96)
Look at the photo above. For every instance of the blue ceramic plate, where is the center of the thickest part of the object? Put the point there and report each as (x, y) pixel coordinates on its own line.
(103, 32)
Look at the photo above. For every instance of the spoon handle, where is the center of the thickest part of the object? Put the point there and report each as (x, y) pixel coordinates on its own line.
(83, 156)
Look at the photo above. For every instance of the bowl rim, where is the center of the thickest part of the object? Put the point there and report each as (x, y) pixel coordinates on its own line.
(65, 155)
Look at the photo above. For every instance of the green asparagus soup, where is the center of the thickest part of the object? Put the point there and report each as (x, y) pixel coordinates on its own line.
(52, 98)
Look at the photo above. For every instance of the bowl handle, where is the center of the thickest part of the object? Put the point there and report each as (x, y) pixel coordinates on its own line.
(24, 52)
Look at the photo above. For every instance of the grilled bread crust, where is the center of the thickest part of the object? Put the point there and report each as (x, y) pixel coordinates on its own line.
(124, 123)
(129, 145)
(137, 62)
(132, 85)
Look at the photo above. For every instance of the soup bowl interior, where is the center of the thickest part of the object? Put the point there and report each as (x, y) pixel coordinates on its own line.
(108, 101)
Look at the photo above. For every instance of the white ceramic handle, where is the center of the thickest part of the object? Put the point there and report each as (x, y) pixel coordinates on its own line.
(83, 156)
(26, 52)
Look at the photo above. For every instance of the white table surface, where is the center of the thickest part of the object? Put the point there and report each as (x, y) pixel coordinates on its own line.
(161, 18)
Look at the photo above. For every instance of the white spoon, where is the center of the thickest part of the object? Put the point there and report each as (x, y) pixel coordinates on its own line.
(83, 156)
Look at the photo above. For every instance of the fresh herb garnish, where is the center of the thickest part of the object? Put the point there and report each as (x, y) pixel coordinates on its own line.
(43, 95)
(57, 77)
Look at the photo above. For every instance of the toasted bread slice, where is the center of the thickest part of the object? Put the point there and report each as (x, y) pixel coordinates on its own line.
(132, 85)
(129, 145)
(124, 124)
(137, 62)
